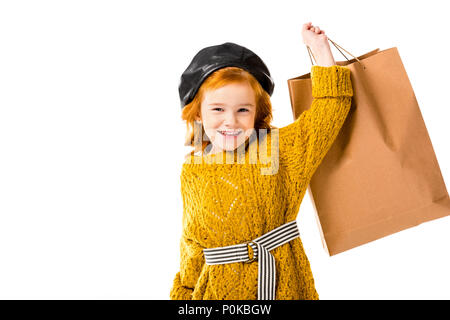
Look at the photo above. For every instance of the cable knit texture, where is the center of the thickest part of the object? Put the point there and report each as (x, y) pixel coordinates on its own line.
(230, 202)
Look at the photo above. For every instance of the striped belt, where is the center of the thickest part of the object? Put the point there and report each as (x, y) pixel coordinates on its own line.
(261, 250)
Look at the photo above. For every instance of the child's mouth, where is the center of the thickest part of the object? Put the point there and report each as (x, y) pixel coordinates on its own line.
(230, 134)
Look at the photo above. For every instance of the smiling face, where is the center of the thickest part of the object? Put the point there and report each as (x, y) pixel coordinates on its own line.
(228, 115)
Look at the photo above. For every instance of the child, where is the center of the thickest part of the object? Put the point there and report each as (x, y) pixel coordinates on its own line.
(240, 240)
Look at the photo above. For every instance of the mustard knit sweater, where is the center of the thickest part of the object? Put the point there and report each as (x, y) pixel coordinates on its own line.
(232, 202)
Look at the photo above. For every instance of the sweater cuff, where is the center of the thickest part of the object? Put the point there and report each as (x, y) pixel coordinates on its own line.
(178, 291)
(331, 81)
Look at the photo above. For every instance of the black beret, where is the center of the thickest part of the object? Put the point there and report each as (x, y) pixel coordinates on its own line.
(212, 58)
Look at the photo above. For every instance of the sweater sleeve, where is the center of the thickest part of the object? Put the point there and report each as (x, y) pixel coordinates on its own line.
(305, 142)
(191, 263)
(191, 255)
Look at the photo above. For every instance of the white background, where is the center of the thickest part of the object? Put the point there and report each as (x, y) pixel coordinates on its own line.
(91, 139)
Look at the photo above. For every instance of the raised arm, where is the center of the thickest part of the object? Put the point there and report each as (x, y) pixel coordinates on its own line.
(305, 142)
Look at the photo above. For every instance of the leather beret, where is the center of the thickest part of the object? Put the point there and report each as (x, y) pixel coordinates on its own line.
(212, 58)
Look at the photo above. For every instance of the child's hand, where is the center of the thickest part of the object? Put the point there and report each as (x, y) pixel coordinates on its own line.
(317, 41)
(313, 37)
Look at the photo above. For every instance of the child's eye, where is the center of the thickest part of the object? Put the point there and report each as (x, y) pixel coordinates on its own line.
(244, 109)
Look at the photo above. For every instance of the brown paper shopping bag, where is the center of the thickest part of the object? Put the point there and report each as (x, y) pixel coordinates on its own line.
(381, 174)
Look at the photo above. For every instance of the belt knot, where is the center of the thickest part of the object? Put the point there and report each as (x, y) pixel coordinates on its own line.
(261, 248)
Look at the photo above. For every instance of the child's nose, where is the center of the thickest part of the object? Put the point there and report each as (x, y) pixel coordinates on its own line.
(230, 119)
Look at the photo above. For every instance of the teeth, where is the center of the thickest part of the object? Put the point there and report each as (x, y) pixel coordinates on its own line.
(230, 133)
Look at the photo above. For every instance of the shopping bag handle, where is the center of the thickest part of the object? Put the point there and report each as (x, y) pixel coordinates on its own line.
(337, 47)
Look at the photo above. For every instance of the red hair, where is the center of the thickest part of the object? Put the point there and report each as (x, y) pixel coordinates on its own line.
(218, 79)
